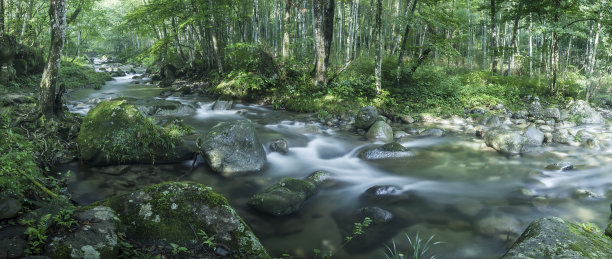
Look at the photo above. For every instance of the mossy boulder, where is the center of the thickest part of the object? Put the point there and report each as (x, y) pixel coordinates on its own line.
(116, 132)
(160, 107)
(284, 197)
(387, 151)
(96, 236)
(173, 212)
(232, 148)
(380, 130)
(556, 238)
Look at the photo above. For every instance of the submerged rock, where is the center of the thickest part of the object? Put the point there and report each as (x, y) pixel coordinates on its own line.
(556, 238)
(232, 148)
(116, 132)
(380, 131)
(435, 132)
(172, 212)
(284, 197)
(319, 178)
(387, 151)
(382, 226)
(504, 140)
(222, 105)
(280, 146)
(366, 117)
(560, 166)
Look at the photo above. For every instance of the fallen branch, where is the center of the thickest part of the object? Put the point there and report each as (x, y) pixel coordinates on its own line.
(346, 65)
(38, 184)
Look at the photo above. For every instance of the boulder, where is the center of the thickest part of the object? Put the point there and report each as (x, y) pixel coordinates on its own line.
(366, 117)
(563, 136)
(535, 109)
(383, 193)
(319, 178)
(435, 132)
(380, 131)
(284, 197)
(492, 122)
(552, 113)
(232, 148)
(556, 238)
(97, 238)
(116, 132)
(560, 166)
(387, 151)
(280, 146)
(504, 141)
(9, 208)
(407, 119)
(533, 136)
(160, 107)
(583, 113)
(174, 212)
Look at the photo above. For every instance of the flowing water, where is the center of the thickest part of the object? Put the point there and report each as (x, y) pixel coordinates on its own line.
(474, 200)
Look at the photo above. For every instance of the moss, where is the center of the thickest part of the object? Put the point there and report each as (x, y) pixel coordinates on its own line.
(61, 252)
(116, 131)
(172, 212)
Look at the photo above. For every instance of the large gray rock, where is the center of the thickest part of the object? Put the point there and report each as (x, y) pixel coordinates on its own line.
(533, 136)
(280, 146)
(232, 148)
(96, 236)
(583, 113)
(366, 117)
(492, 122)
(380, 131)
(171, 213)
(552, 113)
(434, 132)
(387, 151)
(556, 238)
(504, 140)
(535, 109)
(563, 136)
(284, 197)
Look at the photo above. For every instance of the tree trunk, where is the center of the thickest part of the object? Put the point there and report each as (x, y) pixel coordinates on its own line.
(214, 38)
(554, 60)
(57, 15)
(286, 29)
(593, 56)
(379, 47)
(530, 44)
(493, 38)
(514, 33)
(484, 40)
(409, 10)
(176, 38)
(469, 43)
(324, 32)
(1, 18)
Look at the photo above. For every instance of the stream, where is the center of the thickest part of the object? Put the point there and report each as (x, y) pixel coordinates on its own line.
(474, 200)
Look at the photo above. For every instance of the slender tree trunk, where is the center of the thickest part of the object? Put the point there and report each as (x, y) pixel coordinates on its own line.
(410, 7)
(214, 39)
(324, 32)
(379, 47)
(286, 29)
(530, 44)
(176, 38)
(484, 39)
(593, 56)
(494, 38)
(554, 60)
(1, 19)
(57, 15)
(469, 43)
(514, 33)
